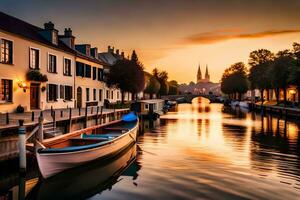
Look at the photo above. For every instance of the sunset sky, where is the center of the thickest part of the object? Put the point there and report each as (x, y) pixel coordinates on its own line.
(172, 35)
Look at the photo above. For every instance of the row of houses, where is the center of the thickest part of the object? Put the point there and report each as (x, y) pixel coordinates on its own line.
(40, 68)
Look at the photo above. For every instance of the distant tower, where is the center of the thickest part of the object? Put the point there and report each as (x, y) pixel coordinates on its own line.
(207, 77)
(199, 75)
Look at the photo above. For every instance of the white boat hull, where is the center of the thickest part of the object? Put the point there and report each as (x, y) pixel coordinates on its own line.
(51, 164)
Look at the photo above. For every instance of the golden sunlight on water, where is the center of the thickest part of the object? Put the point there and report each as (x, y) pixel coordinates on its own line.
(205, 151)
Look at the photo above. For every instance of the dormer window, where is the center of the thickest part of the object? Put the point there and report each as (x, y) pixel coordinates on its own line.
(54, 37)
(88, 51)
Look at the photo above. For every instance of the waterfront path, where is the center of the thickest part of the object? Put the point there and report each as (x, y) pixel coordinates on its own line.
(31, 118)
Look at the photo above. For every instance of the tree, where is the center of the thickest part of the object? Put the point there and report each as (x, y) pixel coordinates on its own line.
(126, 75)
(162, 77)
(294, 70)
(279, 72)
(152, 86)
(234, 80)
(260, 62)
(173, 88)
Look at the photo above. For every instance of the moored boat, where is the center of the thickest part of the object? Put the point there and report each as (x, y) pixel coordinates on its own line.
(79, 147)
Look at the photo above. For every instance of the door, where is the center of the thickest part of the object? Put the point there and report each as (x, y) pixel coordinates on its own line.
(34, 96)
(79, 97)
(151, 107)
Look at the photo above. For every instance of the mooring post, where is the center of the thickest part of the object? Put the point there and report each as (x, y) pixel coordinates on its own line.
(40, 134)
(32, 116)
(97, 115)
(70, 119)
(54, 120)
(114, 115)
(86, 117)
(7, 118)
(22, 146)
(101, 111)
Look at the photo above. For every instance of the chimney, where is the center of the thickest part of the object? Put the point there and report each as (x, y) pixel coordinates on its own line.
(109, 49)
(49, 26)
(94, 52)
(113, 50)
(68, 38)
(117, 51)
(50, 33)
(122, 54)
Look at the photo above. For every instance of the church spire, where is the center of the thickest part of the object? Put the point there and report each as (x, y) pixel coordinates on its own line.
(207, 77)
(199, 74)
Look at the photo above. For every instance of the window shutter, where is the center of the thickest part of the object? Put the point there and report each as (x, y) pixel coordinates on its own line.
(88, 71)
(71, 92)
(62, 91)
(47, 92)
(10, 46)
(55, 64)
(56, 92)
(94, 73)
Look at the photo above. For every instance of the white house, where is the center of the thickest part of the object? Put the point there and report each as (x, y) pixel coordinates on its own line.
(25, 49)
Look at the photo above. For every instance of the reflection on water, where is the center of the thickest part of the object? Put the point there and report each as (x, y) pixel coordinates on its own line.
(199, 151)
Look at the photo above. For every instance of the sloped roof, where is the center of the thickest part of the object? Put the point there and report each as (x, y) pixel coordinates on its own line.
(108, 58)
(19, 27)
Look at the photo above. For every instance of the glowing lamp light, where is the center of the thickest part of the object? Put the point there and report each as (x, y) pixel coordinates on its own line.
(22, 85)
(292, 91)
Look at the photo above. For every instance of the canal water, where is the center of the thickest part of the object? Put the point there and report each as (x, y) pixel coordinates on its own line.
(197, 151)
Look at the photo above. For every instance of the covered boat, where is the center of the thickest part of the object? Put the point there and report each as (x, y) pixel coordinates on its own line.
(79, 147)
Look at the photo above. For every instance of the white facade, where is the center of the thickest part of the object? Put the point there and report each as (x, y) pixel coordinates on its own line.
(23, 91)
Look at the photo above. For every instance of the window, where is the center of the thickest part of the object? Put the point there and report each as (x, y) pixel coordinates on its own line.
(146, 106)
(6, 90)
(67, 67)
(87, 94)
(6, 51)
(107, 94)
(100, 95)
(94, 73)
(79, 69)
(52, 92)
(68, 93)
(94, 94)
(118, 94)
(112, 94)
(34, 58)
(52, 63)
(88, 71)
(62, 91)
(100, 74)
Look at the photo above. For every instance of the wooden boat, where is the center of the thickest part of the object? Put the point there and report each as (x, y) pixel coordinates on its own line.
(80, 182)
(79, 147)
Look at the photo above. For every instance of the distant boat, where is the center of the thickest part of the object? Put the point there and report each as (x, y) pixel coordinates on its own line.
(150, 108)
(244, 104)
(79, 147)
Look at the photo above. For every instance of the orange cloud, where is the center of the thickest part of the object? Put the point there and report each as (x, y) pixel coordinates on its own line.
(223, 35)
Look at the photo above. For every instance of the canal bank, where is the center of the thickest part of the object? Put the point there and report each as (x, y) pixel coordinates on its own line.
(278, 110)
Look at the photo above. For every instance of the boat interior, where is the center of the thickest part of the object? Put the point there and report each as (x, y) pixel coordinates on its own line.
(92, 137)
